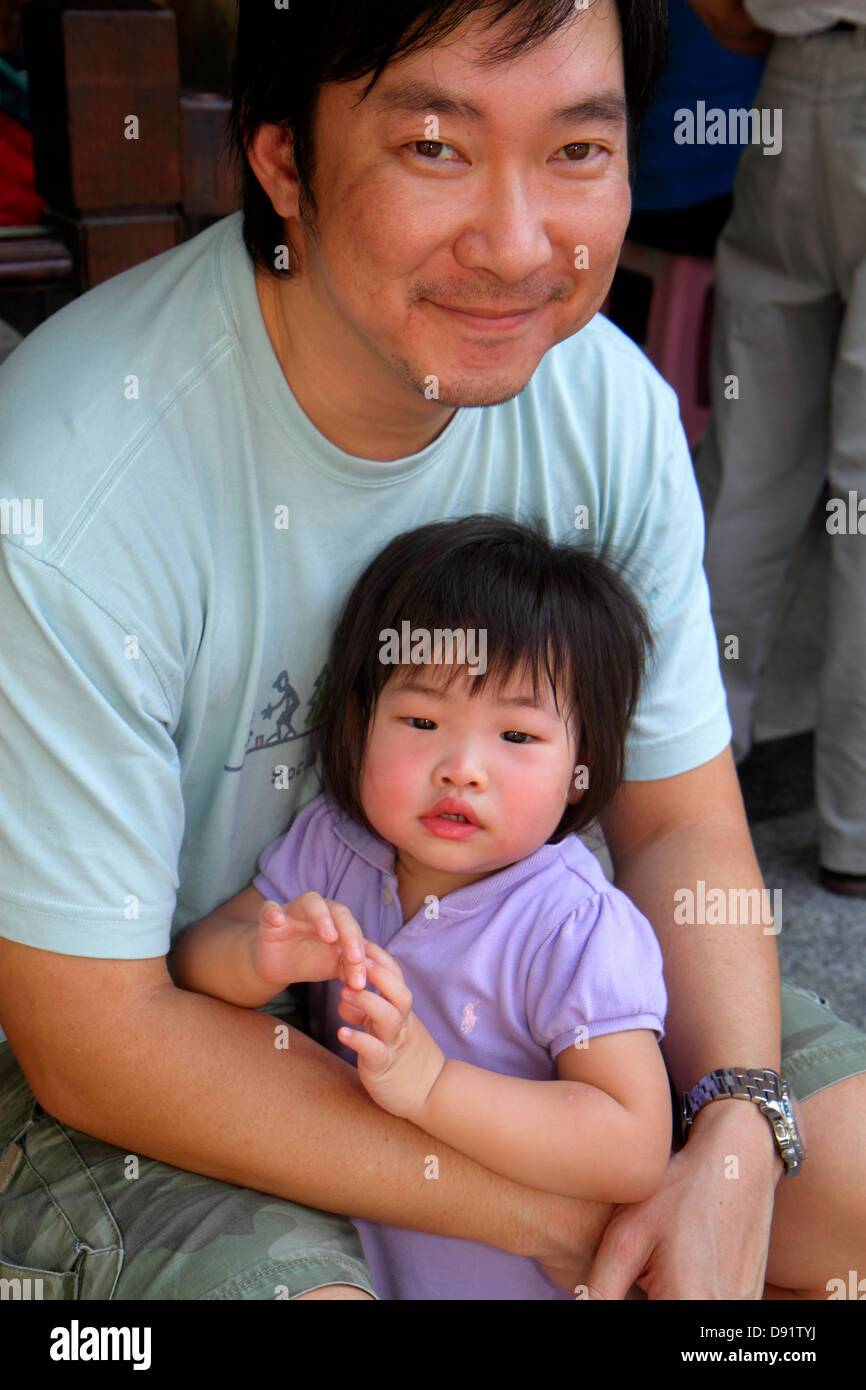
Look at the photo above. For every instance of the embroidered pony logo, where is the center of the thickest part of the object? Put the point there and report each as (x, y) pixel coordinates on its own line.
(470, 1018)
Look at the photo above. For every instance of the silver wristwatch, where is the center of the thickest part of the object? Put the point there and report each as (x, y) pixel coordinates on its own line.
(767, 1090)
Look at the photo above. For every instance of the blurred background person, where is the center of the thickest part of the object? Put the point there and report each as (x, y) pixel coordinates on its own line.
(682, 193)
(790, 327)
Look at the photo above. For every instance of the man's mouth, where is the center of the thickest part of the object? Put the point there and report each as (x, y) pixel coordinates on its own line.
(488, 313)
(488, 318)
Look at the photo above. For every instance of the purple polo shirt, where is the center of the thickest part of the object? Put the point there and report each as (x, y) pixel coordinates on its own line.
(503, 973)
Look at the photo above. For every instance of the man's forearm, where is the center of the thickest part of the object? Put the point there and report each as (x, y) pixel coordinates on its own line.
(722, 980)
(200, 1084)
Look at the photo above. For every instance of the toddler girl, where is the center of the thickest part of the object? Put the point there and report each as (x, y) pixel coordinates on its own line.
(480, 686)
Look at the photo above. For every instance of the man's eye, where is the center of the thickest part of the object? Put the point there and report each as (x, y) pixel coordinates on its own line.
(432, 149)
(577, 153)
(515, 736)
(415, 722)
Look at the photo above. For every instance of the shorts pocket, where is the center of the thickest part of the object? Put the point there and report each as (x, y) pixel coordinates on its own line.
(55, 1224)
(23, 1284)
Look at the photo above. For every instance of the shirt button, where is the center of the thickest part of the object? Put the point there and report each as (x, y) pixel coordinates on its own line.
(387, 897)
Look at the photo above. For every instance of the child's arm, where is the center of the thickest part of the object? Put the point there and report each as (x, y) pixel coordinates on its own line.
(601, 1132)
(250, 948)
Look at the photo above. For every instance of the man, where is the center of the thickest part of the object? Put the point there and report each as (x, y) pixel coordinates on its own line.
(448, 228)
(791, 328)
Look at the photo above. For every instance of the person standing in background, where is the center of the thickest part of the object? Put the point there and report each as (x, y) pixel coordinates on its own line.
(789, 387)
(682, 193)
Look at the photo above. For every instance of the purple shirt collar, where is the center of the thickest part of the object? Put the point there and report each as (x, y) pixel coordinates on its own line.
(462, 901)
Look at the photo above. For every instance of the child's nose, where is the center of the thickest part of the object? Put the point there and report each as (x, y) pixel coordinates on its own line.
(461, 770)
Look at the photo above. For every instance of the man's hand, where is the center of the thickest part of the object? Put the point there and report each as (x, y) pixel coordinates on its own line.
(732, 27)
(311, 938)
(705, 1234)
(398, 1061)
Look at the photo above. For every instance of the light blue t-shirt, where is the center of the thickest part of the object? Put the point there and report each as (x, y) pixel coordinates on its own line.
(178, 539)
(505, 973)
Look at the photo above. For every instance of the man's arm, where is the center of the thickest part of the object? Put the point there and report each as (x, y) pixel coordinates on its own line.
(113, 1048)
(722, 980)
(701, 1235)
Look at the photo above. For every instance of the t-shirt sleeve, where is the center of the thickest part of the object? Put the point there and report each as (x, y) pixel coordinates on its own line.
(599, 971)
(300, 860)
(682, 716)
(91, 808)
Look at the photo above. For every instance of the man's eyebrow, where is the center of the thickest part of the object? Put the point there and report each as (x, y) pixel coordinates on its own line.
(419, 97)
(606, 106)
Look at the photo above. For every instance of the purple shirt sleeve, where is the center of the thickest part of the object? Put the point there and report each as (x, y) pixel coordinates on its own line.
(601, 969)
(297, 861)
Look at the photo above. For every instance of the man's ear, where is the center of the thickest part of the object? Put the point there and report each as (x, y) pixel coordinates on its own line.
(272, 161)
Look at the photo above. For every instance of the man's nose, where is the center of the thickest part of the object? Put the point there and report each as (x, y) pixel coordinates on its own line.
(508, 235)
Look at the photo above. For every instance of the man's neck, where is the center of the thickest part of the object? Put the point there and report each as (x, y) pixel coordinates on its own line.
(338, 387)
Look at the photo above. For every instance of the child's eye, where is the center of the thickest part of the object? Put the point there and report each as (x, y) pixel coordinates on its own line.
(515, 736)
(415, 722)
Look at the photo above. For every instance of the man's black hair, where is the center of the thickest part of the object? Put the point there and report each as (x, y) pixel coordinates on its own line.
(555, 613)
(283, 55)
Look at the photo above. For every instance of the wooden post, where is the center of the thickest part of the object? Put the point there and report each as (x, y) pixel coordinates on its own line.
(105, 106)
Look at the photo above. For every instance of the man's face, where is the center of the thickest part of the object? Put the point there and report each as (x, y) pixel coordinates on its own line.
(469, 218)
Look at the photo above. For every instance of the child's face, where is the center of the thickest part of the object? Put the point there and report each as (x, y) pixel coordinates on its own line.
(510, 766)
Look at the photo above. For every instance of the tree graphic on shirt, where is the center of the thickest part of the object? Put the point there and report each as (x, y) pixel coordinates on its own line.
(316, 702)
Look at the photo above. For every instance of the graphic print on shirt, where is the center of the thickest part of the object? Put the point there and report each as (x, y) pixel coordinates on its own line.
(280, 711)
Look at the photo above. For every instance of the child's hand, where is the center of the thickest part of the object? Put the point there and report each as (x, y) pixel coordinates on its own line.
(398, 1060)
(312, 938)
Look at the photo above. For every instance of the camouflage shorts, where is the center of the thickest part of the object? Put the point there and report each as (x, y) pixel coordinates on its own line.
(78, 1215)
(92, 1221)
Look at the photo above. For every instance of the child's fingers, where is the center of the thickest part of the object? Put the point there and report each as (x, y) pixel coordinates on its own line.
(352, 943)
(369, 1049)
(271, 914)
(314, 910)
(385, 1020)
(347, 972)
(334, 924)
(350, 1013)
(392, 986)
(382, 957)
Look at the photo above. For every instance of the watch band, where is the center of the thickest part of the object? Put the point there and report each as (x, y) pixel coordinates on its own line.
(737, 1082)
(766, 1089)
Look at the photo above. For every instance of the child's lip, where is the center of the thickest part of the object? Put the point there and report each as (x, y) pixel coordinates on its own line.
(455, 806)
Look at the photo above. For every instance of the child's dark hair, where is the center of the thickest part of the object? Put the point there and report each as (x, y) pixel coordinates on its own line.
(549, 609)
